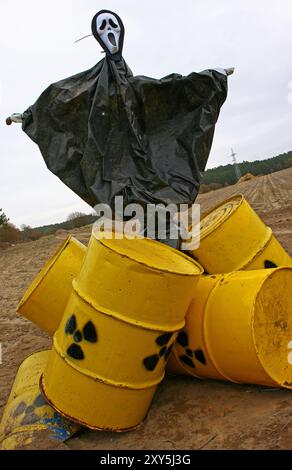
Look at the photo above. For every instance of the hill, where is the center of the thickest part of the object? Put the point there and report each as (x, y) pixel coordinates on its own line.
(225, 175)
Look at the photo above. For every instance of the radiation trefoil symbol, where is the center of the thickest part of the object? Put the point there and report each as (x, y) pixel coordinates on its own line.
(165, 342)
(189, 356)
(27, 412)
(88, 333)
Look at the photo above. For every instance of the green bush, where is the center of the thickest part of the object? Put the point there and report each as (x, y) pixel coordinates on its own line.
(3, 219)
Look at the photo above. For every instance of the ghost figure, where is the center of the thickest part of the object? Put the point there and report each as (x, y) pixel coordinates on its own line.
(107, 133)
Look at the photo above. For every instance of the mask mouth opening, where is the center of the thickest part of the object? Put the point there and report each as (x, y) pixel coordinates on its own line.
(112, 39)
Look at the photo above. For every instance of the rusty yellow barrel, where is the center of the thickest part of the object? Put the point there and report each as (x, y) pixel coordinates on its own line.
(238, 328)
(110, 351)
(233, 237)
(45, 300)
(27, 414)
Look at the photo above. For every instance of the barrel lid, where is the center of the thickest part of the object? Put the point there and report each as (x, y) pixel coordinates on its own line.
(218, 215)
(272, 326)
(151, 253)
(46, 268)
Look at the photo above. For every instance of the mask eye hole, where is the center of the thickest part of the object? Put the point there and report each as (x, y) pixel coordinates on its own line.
(103, 25)
(113, 24)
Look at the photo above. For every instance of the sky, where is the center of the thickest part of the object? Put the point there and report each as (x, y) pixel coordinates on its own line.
(162, 37)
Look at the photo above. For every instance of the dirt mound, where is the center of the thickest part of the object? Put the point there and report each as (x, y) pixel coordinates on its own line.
(61, 233)
(246, 177)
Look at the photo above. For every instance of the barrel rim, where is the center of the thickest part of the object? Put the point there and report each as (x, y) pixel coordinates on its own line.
(22, 430)
(32, 355)
(266, 241)
(120, 317)
(77, 421)
(40, 276)
(96, 378)
(239, 196)
(219, 277)
(270, 273)
(150, 241)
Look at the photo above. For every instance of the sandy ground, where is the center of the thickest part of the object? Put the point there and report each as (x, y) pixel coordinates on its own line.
(186, 413)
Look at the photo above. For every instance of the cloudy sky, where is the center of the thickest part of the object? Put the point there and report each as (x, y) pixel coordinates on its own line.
(162, 36)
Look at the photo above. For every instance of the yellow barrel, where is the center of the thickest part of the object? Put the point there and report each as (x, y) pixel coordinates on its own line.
(27, 414)
(238, 328)
(111, 348)
(233, 238)
(46, 299)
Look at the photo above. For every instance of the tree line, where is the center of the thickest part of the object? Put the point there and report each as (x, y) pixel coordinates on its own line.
(225, 175)
(9, 233)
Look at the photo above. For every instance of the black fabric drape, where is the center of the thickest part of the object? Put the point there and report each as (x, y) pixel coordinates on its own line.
(105, 132)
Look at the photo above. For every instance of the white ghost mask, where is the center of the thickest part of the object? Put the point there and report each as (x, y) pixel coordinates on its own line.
(109, 31)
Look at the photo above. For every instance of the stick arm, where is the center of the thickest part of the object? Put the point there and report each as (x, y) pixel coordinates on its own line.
(16, 117)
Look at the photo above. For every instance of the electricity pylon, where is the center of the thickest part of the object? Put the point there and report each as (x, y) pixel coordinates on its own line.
(236, 166)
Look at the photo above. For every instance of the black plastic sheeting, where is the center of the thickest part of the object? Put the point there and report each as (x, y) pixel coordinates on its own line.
(106, 133)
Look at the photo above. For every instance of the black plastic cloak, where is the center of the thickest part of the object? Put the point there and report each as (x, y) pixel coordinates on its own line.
(106, 133)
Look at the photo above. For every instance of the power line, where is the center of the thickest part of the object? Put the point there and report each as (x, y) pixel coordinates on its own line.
(236, 166)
